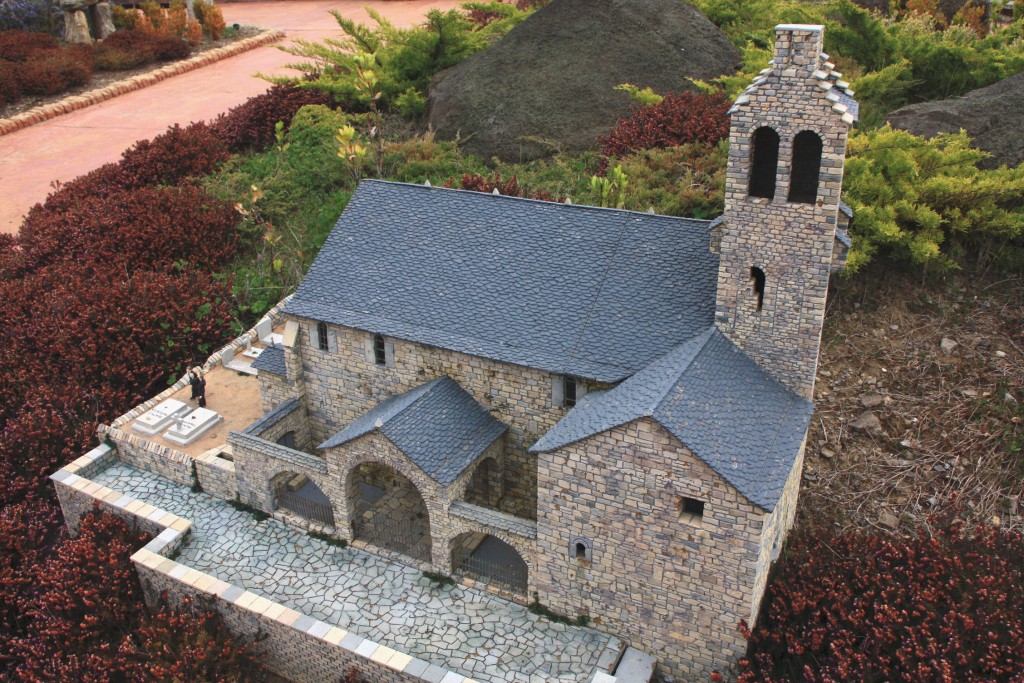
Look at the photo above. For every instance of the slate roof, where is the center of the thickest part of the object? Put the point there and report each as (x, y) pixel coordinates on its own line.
(718, 402)
(271, 360)
(273, 417)
(438, 425)
(596, 293)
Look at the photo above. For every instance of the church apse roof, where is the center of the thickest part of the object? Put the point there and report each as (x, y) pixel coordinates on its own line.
(718, 402)
(591, 292)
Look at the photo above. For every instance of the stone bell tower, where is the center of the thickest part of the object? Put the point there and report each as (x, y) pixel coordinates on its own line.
(787, 143)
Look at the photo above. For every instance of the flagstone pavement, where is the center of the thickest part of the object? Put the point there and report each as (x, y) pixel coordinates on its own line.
(466, 630)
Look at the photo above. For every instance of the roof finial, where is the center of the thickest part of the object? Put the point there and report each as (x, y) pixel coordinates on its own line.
(426, 183)
(495, 191)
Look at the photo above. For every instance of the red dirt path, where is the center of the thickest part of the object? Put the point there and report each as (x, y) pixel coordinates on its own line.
(70, 145)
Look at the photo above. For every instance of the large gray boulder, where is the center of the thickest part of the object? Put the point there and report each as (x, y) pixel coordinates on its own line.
(992, 116)
(548, 85)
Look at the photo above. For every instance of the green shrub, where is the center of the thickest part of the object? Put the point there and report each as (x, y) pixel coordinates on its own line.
(927, 203)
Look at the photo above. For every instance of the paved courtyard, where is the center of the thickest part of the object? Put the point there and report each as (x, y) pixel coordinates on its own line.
(462, 629)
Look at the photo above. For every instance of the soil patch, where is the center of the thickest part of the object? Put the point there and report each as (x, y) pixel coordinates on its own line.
(919, 401)
(549, 85)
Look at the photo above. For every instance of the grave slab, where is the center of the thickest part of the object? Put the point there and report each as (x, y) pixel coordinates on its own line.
(159, 418)
(192, 426)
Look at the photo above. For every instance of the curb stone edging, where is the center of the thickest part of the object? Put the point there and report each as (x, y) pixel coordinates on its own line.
(97, 95)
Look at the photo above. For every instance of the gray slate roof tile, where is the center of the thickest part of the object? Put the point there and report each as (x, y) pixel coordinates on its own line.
(596, 293)
(438, 425)
(718, 402)
(282, 411)
(271, 360)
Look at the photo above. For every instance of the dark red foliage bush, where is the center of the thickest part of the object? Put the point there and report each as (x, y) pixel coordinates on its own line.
(168, 48)
(151, 228)
(680, 118)
(16, 46)
(509, 187)
(250, 125)
(864, 607)
(10, 86)
(48, 72)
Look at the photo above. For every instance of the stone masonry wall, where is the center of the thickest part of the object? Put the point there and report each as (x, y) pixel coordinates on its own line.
(296, 422)
(274, 390)
(344, 382)
(790, 242)
(216, 474)
(673, 586)
(150, 456)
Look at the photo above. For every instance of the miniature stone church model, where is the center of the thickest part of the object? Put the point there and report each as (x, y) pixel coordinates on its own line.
(597, 410)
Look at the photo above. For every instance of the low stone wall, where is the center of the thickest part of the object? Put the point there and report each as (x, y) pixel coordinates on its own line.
(146, 455)
(217, 474)
(297, 646)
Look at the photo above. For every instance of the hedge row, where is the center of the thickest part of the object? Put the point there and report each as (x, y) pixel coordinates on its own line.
(111, 287)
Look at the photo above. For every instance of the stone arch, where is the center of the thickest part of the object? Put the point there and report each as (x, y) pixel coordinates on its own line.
(301, 493)
(764, 162)
(805, 167)
(388, 509)
(490, 558)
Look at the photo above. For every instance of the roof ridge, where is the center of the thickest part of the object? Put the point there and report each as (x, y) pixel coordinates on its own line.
(701, 345)
(547, 202)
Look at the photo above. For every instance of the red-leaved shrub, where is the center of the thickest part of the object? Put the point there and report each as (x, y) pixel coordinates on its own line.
(860, 606)
(47, 72)
(509, 187)
(17, 46)
(678, 119)
(250, 125)
(150, 228)
(10, 86)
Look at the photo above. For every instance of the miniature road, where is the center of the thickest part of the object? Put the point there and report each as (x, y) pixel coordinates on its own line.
(479, 635)
(76, 143)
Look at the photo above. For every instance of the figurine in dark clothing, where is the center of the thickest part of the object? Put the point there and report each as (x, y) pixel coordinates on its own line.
(193, 380)
(201, 391)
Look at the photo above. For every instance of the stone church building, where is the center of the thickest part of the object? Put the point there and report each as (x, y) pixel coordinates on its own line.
(597, 410)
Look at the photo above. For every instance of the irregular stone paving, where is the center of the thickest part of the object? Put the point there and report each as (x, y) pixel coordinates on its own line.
(458, 628)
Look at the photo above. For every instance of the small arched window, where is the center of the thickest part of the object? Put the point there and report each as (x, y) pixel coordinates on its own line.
(765, 162)
(803, 180)
(757, 279)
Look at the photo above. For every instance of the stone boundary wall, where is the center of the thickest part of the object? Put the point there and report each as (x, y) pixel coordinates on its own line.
(147, 455)
(95, 96)
(298, 647)
(217, 475)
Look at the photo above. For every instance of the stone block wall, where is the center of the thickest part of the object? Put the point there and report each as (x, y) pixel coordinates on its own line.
(150, 456)
(217, 474)
(289, 416)
(344, 382)
(673, 585)
(790, 242)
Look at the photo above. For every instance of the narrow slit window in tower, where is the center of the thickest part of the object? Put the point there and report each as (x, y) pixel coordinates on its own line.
(803, 180)
(764, 164)
(581, 552)
(380, 352)
(758, 279)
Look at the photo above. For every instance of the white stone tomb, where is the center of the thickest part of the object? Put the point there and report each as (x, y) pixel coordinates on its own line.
(192, 426)
(159, 418)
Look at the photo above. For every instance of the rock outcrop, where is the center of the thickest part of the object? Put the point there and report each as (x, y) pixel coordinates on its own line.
(992, 116)
(548, 85)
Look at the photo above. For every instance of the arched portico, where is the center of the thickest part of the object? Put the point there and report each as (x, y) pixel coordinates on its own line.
(300, 494)
(488, 559)
(386, 509)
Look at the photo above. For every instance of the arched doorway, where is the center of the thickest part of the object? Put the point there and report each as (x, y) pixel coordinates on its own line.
(388, 511)
(298, 494)
(489, 559)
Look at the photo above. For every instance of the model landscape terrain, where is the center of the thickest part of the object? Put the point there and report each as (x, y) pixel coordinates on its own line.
(910, 479)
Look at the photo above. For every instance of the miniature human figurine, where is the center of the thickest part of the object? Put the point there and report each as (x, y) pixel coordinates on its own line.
(201, 391)
(193, 380)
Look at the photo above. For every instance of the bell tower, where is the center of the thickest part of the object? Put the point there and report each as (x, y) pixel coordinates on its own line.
(787, 143)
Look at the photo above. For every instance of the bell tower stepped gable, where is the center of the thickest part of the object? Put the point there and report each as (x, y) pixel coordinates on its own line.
(787, 143)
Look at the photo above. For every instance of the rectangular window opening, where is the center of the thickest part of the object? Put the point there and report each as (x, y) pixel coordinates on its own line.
(690, 509)
(569, 393)
(321, 336)
(380, 353)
